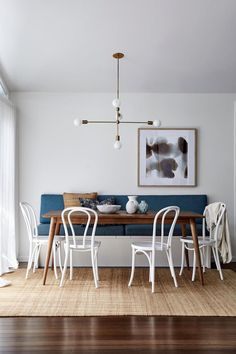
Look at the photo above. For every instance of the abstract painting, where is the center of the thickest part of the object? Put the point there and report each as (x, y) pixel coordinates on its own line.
(166, 157)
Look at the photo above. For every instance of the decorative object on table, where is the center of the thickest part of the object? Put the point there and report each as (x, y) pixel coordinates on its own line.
(89, 203)
(73, 199)
(108, 209)
(143, 207)
(166, 157)
(93, 203)
(109, 201)
(132, 204)
(116, 103)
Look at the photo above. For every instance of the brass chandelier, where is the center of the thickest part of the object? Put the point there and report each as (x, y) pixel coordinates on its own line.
(116, 104)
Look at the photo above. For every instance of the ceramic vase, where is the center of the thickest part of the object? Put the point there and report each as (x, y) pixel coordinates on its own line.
(143, 207)
(132, 204)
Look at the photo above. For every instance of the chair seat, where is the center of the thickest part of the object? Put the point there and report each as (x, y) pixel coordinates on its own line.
(147, 246)
(44, 239)
(207, 241)
(79, 245)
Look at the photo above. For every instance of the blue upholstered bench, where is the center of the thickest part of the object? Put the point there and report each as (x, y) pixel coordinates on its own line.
(195, 203)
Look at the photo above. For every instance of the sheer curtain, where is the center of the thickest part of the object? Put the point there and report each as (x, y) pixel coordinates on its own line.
(7, 188)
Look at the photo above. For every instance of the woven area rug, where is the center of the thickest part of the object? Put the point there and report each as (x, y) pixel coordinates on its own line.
(80, 298)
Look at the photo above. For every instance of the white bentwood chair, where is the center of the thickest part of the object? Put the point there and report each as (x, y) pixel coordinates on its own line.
(149, 248)
(75, 243)
(36, 241)
(205, 243)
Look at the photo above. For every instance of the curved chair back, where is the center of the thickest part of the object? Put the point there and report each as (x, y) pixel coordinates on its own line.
(67, 219)
(163, 213)
(214, 235)
(30, 219)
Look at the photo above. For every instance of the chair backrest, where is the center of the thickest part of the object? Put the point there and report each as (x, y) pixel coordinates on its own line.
(67, 219)
(214, 235)
(30, 219)
(162, 214)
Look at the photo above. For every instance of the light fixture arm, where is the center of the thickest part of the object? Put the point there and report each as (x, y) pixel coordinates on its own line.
(85, 121)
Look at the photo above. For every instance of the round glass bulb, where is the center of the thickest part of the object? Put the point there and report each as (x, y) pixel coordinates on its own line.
(116, 103)
(157, 123)
(77, 122)
(117, 145)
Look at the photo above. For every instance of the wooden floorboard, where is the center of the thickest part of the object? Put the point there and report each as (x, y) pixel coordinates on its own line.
(124, 334)
(129, 334)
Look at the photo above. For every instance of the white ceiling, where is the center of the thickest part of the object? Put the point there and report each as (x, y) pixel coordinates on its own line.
(170, 45)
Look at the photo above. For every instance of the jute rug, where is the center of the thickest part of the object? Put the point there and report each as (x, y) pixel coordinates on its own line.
(80, 298)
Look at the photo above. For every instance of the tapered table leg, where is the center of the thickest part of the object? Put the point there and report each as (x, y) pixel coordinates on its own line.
(196, 248)
(49, 248)
(57, 231)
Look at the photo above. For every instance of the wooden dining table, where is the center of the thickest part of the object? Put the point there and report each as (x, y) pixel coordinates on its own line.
(123, 218)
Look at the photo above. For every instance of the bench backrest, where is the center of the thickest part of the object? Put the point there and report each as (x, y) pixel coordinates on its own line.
(195, 203)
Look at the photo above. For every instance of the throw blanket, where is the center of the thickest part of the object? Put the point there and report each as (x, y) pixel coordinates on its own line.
(224, 245)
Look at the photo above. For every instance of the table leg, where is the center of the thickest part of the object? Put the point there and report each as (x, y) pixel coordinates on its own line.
(49, 248)
(183, 229)
(57, 232)
(196, 248)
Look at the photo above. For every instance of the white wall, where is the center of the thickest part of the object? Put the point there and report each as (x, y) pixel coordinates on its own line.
(54, 157)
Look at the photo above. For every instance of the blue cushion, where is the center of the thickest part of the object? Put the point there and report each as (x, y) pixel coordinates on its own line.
(102, 230)
(146, 230)
(50, 202)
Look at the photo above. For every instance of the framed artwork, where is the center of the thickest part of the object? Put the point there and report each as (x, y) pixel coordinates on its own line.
(167, 157)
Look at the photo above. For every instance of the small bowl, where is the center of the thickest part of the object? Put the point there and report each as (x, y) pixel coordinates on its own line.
(108, 209)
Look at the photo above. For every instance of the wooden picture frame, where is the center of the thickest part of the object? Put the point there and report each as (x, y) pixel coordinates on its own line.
(167, 157)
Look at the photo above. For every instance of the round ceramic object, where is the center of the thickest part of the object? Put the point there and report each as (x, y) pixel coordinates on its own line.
(143, 207)
(132, 204)
(108, 209)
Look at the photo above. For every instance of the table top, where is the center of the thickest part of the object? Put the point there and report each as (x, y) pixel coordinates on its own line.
(122, 217)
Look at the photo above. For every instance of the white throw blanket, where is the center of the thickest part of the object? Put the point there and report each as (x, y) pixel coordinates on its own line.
(224, 244)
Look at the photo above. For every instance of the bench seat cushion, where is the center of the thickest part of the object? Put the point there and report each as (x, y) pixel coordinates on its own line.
(102, 230)
(146, 230)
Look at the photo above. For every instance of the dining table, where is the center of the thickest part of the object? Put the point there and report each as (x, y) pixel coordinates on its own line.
(123, 218)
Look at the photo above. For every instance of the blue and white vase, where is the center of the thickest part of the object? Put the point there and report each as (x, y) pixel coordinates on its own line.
(143, 207)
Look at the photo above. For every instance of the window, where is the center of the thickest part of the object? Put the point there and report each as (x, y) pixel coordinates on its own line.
(3, 88)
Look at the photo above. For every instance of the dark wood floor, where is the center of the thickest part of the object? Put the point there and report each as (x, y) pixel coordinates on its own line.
(118, 335)
(125, 334)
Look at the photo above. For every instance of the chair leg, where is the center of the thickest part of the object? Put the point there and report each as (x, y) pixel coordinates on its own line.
(65, 266)
(94, 268)
(96, 263)
(153, 271)
(203, 256)
(194, 266)
(172, 270)
(29, 261)
(182, 259)
(36, 256)
(133, 267)
(150, 268)
(59, 255)
(54, 252)
(217, 261)
(71, 264)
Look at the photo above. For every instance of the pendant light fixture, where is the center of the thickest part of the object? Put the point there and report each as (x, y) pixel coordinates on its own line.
(118, 116)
